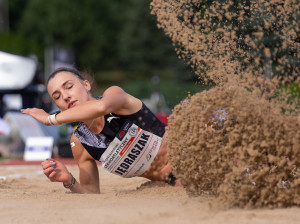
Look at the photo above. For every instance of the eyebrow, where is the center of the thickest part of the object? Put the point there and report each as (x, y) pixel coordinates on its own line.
(62, 86)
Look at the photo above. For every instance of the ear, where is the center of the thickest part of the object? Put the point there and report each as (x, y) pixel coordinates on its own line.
(87, 85)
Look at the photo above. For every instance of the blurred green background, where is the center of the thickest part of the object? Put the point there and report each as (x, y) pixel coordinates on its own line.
(116, 42)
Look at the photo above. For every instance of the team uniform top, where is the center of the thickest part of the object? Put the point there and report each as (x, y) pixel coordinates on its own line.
(127, 144)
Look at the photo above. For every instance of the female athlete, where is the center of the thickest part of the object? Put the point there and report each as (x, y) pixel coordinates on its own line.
(116, 129)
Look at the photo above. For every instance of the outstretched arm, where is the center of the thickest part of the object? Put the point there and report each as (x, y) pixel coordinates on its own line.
(114, 100)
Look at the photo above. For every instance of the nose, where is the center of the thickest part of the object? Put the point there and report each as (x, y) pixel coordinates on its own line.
(65, 96)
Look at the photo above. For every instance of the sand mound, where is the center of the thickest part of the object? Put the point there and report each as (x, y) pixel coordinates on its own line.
(228, 143)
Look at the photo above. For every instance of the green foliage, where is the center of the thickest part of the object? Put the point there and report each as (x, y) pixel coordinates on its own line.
(116, 42)
(174, 91)
(13, 43)
(16, 43)
(144, 48)
(89, 28)
(293, 89)
(16, 9)
(289, 93)
(104, 35)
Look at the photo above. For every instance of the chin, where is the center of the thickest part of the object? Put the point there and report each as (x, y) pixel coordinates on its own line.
(62, 109)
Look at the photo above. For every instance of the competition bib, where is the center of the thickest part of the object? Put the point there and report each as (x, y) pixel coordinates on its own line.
(131, 152)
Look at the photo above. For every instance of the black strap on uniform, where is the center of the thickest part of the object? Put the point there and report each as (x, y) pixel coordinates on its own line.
(171, 179)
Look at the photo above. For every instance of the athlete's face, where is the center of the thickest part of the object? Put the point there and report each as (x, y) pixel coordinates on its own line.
(67, 90)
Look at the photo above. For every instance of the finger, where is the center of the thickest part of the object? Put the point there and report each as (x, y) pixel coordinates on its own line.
(24, 111)
(44, 162)
(48, 164)
(52, 176)
(28, 110)
(49, 170)
(47, 161)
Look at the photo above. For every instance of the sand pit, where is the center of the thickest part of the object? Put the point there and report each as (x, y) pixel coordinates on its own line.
(34, 199)
(230, 144)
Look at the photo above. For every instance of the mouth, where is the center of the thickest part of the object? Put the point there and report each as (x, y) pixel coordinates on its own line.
(72, 104)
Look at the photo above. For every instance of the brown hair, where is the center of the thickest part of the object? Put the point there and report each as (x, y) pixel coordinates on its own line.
(65, 69)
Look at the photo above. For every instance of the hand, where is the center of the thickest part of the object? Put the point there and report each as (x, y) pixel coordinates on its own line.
(56, 171)
(38, 114)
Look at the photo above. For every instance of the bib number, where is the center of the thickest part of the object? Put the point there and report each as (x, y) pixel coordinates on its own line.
(131, 152)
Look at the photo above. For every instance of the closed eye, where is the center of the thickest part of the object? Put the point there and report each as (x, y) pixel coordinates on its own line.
(69, 86)
(56, 96)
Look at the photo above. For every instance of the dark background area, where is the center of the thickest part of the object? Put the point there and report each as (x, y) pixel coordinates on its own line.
(115, 42)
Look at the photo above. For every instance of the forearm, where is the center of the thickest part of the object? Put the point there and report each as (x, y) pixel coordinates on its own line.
(94, 108)
(76, 187)
(85, 111)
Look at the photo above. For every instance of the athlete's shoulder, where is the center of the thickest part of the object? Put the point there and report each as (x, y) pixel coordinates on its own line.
(114, 90)
(126, 103)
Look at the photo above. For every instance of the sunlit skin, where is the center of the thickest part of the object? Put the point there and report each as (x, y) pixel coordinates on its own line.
(72, 96)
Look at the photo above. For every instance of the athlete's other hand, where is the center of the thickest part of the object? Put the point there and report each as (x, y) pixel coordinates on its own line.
(56, 171)
(38, 114)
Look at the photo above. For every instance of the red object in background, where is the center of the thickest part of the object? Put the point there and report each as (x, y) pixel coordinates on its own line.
(163, 117)
(15, 162)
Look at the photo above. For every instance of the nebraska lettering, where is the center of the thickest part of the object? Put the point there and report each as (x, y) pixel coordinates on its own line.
(131, 157)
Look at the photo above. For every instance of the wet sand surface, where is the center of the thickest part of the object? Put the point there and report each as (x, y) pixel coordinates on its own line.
(34, 199)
